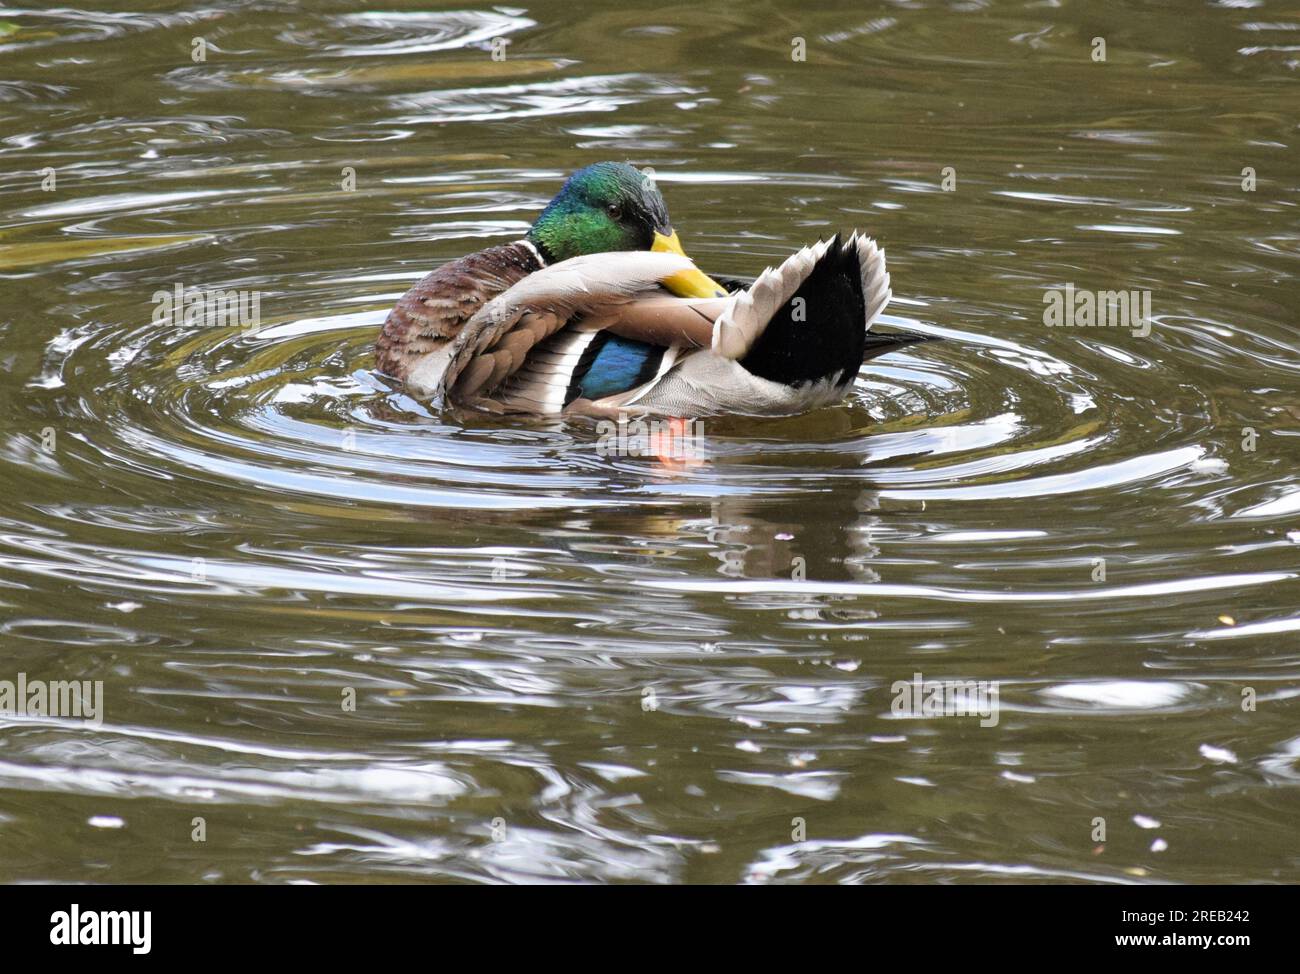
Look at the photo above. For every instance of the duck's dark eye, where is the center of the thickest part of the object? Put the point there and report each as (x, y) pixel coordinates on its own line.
(615, 211)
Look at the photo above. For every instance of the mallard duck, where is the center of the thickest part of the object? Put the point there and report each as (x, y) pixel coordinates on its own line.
(598, 310)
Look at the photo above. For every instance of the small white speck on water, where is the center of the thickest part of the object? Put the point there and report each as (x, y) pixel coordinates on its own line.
(125, 606)
(1219, 755)
(1159, 845)
(1145, 822)
(1022, 778)
(847, 665)
(106, 822)
(749, 746)
(1293, 537)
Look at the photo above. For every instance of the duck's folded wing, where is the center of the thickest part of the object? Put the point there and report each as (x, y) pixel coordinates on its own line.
(587, 292)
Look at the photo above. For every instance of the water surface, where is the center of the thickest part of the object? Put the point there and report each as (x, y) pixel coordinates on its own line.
(568, 666)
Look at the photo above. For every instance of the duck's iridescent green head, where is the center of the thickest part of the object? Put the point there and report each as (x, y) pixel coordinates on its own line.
(608, 206)
(613, 206)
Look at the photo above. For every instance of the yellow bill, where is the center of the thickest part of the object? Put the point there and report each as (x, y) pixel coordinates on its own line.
(693, 283)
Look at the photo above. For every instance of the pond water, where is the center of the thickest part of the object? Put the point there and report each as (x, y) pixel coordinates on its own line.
(344, 638)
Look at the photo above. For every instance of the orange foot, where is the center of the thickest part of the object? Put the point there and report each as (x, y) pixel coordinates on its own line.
(675, 447)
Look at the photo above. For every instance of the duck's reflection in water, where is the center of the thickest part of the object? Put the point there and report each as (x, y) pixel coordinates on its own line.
(828, 537)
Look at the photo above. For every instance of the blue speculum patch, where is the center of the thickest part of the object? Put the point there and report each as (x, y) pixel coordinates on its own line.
(617, 367)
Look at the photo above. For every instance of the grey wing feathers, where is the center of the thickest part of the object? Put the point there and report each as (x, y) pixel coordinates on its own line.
(591, 286)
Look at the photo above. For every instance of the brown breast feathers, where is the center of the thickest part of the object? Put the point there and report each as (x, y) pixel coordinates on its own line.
(431, 313)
